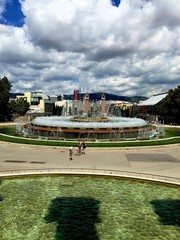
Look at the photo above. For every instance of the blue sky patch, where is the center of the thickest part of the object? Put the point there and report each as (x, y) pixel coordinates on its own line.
(13, 15)
(116, 2)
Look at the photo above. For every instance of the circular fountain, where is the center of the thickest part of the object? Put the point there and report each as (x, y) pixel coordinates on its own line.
(68, 127)
(88, 120)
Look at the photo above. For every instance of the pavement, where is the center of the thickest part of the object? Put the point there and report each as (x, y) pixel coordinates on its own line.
(158, 160)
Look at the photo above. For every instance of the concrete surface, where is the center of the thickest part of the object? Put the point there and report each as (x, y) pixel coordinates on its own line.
(163, 161)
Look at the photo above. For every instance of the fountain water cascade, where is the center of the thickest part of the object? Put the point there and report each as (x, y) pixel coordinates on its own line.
(88, 120)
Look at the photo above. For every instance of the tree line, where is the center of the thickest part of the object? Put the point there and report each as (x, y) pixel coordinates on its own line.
(169, 107)
(19, 106)
(10, 107)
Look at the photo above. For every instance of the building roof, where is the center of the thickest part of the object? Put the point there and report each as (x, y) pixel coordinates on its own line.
(42, 95)
(153, 100)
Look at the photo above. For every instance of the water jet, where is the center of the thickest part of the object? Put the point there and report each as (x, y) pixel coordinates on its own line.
(97, 120)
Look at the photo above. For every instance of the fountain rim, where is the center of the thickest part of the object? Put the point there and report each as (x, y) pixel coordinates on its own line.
(65, 122)
(100, 130)
(89, 119)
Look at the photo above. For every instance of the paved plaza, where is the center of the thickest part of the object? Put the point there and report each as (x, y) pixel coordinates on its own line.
(163, 161)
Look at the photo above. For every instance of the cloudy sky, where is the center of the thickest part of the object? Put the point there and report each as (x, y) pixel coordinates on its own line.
(127, 47)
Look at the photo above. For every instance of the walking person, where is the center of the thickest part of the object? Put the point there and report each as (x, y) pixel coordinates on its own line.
(79, 147)
(83, 146)
(70, 153)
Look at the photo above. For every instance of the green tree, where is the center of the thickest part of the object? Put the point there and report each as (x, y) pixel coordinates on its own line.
(5, 88)
(19, 106)
(57, 110)
(169, 107)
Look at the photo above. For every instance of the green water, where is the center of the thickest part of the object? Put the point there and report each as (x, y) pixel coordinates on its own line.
(88, 208)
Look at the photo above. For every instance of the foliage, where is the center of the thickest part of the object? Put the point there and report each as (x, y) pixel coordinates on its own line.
(169, 107)
(57, 110)
(5, 88)
(19, 106)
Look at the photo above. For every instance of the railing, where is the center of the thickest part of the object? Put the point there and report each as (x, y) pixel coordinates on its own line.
(89, 171)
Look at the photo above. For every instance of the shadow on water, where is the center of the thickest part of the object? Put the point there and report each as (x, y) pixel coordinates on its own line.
(76, 218)
(168, 211)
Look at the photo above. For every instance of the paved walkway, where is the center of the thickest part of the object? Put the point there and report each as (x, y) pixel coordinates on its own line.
(163, 161)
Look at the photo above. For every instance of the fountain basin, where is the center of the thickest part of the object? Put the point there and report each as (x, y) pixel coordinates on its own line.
(107, 208)
(105, 128)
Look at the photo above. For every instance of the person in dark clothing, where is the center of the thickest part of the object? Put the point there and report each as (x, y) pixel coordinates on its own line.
(83, 146)
(79, 148)
(70, 153)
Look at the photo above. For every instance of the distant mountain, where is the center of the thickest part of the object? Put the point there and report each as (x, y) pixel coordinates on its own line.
(95, 97)
(14, 95)
(108, 96)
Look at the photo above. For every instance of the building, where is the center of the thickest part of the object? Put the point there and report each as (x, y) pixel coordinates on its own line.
(76, 94)
(146, 108)
(39, 102)
(147, 105)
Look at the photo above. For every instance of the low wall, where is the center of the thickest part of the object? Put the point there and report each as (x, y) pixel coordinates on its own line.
(87, 171)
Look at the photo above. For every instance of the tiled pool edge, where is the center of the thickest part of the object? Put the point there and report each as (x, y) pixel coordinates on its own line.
(92, 172)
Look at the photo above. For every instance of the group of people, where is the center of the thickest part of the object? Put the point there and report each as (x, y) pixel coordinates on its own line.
(80, 150)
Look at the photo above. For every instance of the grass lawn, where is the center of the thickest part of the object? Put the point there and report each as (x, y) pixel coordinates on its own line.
(172, 133)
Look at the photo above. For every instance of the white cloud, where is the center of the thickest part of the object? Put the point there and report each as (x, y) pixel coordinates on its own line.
(132, 49)
(2, 7)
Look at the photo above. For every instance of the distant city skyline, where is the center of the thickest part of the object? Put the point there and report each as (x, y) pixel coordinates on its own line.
(127, 47)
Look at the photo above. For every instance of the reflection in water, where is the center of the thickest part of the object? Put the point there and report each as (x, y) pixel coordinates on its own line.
(75, 217)
(168, 211)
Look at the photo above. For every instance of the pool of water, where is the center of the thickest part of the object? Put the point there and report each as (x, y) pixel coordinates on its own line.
(86, 207)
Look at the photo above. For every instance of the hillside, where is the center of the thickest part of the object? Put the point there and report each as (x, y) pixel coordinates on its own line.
(108, 96)
(95, 97)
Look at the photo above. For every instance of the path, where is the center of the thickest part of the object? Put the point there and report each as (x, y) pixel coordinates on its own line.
(164, 160)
